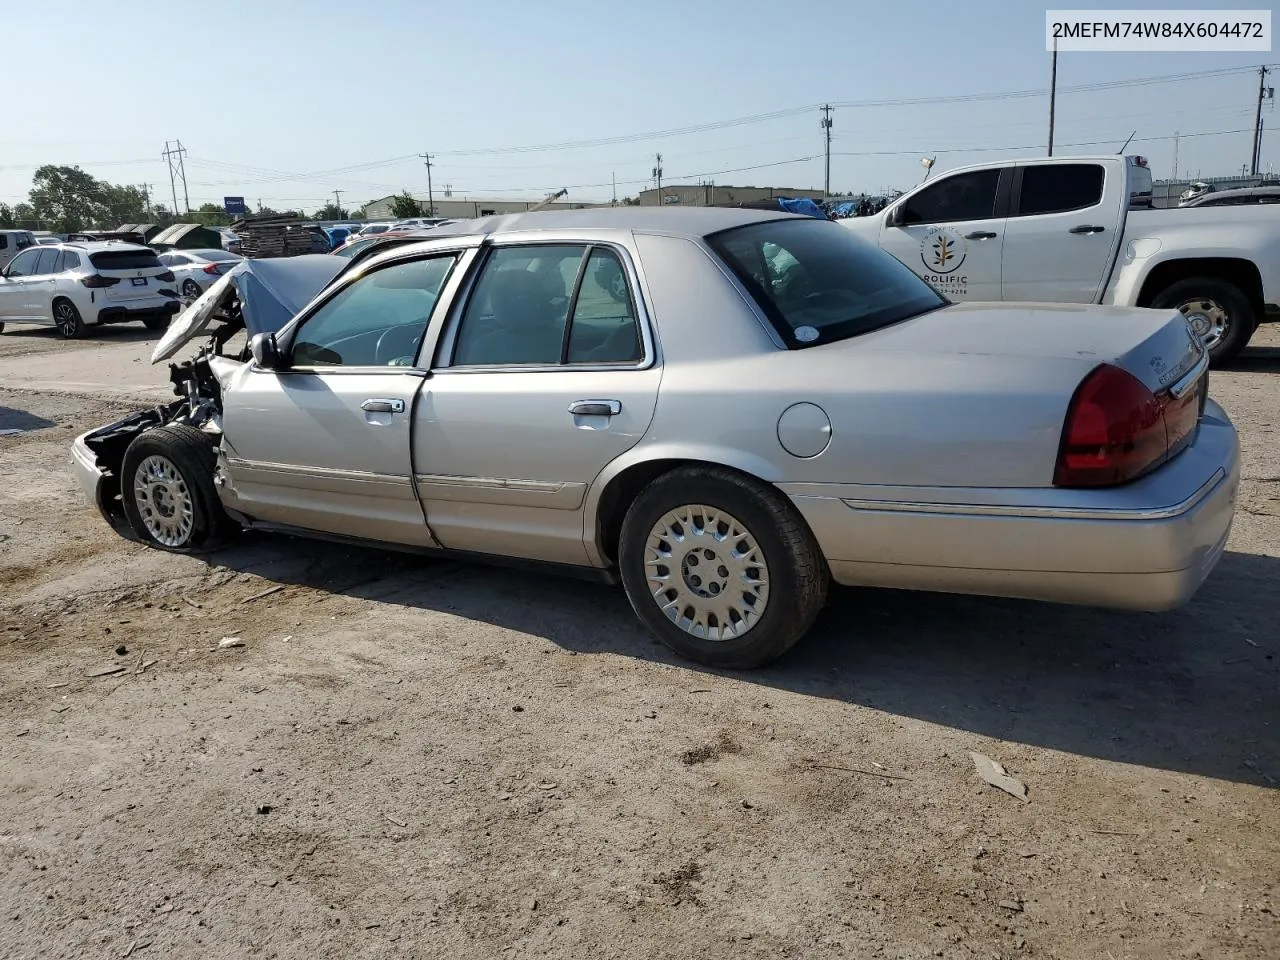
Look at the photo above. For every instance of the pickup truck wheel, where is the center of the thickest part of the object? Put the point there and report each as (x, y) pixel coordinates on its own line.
(166, 483)
(720, 567)
(1218, 311)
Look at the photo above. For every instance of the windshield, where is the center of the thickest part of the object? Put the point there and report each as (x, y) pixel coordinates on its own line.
(817, 282)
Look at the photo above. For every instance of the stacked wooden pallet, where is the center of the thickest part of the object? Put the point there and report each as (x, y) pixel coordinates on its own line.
(272, 236)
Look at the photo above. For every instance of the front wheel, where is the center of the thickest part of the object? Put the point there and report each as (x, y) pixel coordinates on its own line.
(166, 483)
(720, 567)
(1218, 312)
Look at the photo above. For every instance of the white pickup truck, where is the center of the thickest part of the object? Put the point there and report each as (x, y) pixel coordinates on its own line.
(1080, 230)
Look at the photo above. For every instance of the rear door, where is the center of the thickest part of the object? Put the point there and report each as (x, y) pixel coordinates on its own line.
(1063, 230)
(43, 283)
(951, 233)
(546, 373)
(136, 270)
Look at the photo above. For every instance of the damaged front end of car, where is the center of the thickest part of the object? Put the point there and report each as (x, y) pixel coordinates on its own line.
(257, 296)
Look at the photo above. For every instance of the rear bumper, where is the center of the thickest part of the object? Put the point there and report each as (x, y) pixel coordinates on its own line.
(139, 310)
(89, 476)
(1145, 546)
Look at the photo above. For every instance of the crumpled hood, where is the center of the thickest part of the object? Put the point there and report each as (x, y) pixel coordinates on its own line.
(271, 292)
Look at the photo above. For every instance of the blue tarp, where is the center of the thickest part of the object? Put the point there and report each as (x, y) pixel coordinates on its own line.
(807, 207)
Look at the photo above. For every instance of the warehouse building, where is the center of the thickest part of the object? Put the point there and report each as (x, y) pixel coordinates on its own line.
(466, 208)
(714, 195)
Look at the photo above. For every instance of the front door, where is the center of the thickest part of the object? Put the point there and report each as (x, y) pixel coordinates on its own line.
(547, 373)
(951, 233)
(15, 286)
(325, 444)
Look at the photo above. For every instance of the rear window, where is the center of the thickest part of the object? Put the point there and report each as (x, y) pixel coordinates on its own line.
(818, 283)
(124, 259)
(219, 256)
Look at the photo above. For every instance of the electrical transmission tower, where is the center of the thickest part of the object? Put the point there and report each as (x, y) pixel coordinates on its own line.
(177, 169)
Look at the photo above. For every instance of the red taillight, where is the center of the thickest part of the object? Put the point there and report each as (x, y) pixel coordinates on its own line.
(211, 269)
(1117, 429)
(97, 280)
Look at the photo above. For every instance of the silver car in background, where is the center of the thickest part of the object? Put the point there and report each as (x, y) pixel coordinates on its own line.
(725, 409)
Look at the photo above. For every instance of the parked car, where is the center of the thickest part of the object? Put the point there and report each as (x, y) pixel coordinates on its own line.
(1234, 198)
(48, 241)
(419, 223)
(75, 286)
(725, 441)
(1073, 230)
(13, 242)
(357, 244)
(196, 270)
(369, 229)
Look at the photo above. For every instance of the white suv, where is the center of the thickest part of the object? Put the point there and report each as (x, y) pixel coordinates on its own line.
(72, 286)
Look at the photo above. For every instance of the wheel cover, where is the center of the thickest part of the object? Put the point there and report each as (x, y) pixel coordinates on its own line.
(1208, 318)
(164, 501)
(706, 572)
(64, 315)
(190, 288)
(618, 287)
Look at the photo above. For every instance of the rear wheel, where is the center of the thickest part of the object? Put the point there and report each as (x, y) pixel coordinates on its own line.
(1218, 311)
(190, 289)
(166, 483)
(720, 567)
(66, 318)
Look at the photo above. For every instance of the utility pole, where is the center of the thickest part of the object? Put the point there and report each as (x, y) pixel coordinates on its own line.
(1053, 91)
(1257, 118)
(146, 195)
(431, 197)
(657, 173)
(337, 201)
(613, 178)
(1175, 155)
(826, 129)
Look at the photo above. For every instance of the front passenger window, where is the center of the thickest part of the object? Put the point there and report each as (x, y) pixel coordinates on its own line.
(377, 321)
(965, 196)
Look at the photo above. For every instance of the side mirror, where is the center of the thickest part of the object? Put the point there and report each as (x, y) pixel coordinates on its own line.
(266, 353)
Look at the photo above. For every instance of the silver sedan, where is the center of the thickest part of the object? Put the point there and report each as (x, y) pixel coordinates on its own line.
(724, 409)
(198, 270)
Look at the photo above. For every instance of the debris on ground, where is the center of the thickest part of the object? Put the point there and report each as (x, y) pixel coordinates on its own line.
(121, 650)
(265, 593)
(998, 777)
(106, 671)
(1014, 905)
(226, 643)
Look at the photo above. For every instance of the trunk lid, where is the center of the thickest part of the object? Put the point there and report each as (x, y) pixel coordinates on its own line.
(1156, 346)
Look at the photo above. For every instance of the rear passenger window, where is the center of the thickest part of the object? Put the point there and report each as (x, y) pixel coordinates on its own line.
(47, 262)
(604, 322)
(1059, 188)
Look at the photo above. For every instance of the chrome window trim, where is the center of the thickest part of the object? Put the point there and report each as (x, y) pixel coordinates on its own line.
(447, 340)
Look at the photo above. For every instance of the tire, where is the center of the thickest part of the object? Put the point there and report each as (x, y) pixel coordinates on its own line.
(1, 328)
(1214, 301)
(182, 513)
(158, 323)
(785, 556)
(190, 289)
(67, 320)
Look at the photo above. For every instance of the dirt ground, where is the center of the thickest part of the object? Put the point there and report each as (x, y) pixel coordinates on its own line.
(416, 758)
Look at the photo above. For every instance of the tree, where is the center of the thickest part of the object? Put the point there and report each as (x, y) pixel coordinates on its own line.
(161, 216)
(122, 205)
(630, 202)
(7, 221)
(403, 205)
(25, 217)
(209, 215)
(330, 211)
(66, 198)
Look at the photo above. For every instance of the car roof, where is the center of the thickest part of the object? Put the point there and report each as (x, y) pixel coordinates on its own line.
(97, 246)
(690, 222)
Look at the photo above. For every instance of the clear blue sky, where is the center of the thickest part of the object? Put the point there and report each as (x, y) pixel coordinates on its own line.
(262, 92)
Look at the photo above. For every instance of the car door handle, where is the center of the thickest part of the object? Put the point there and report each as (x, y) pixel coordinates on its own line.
(980, 235)
(595, 408)
(1086, 228)
(383, 406)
